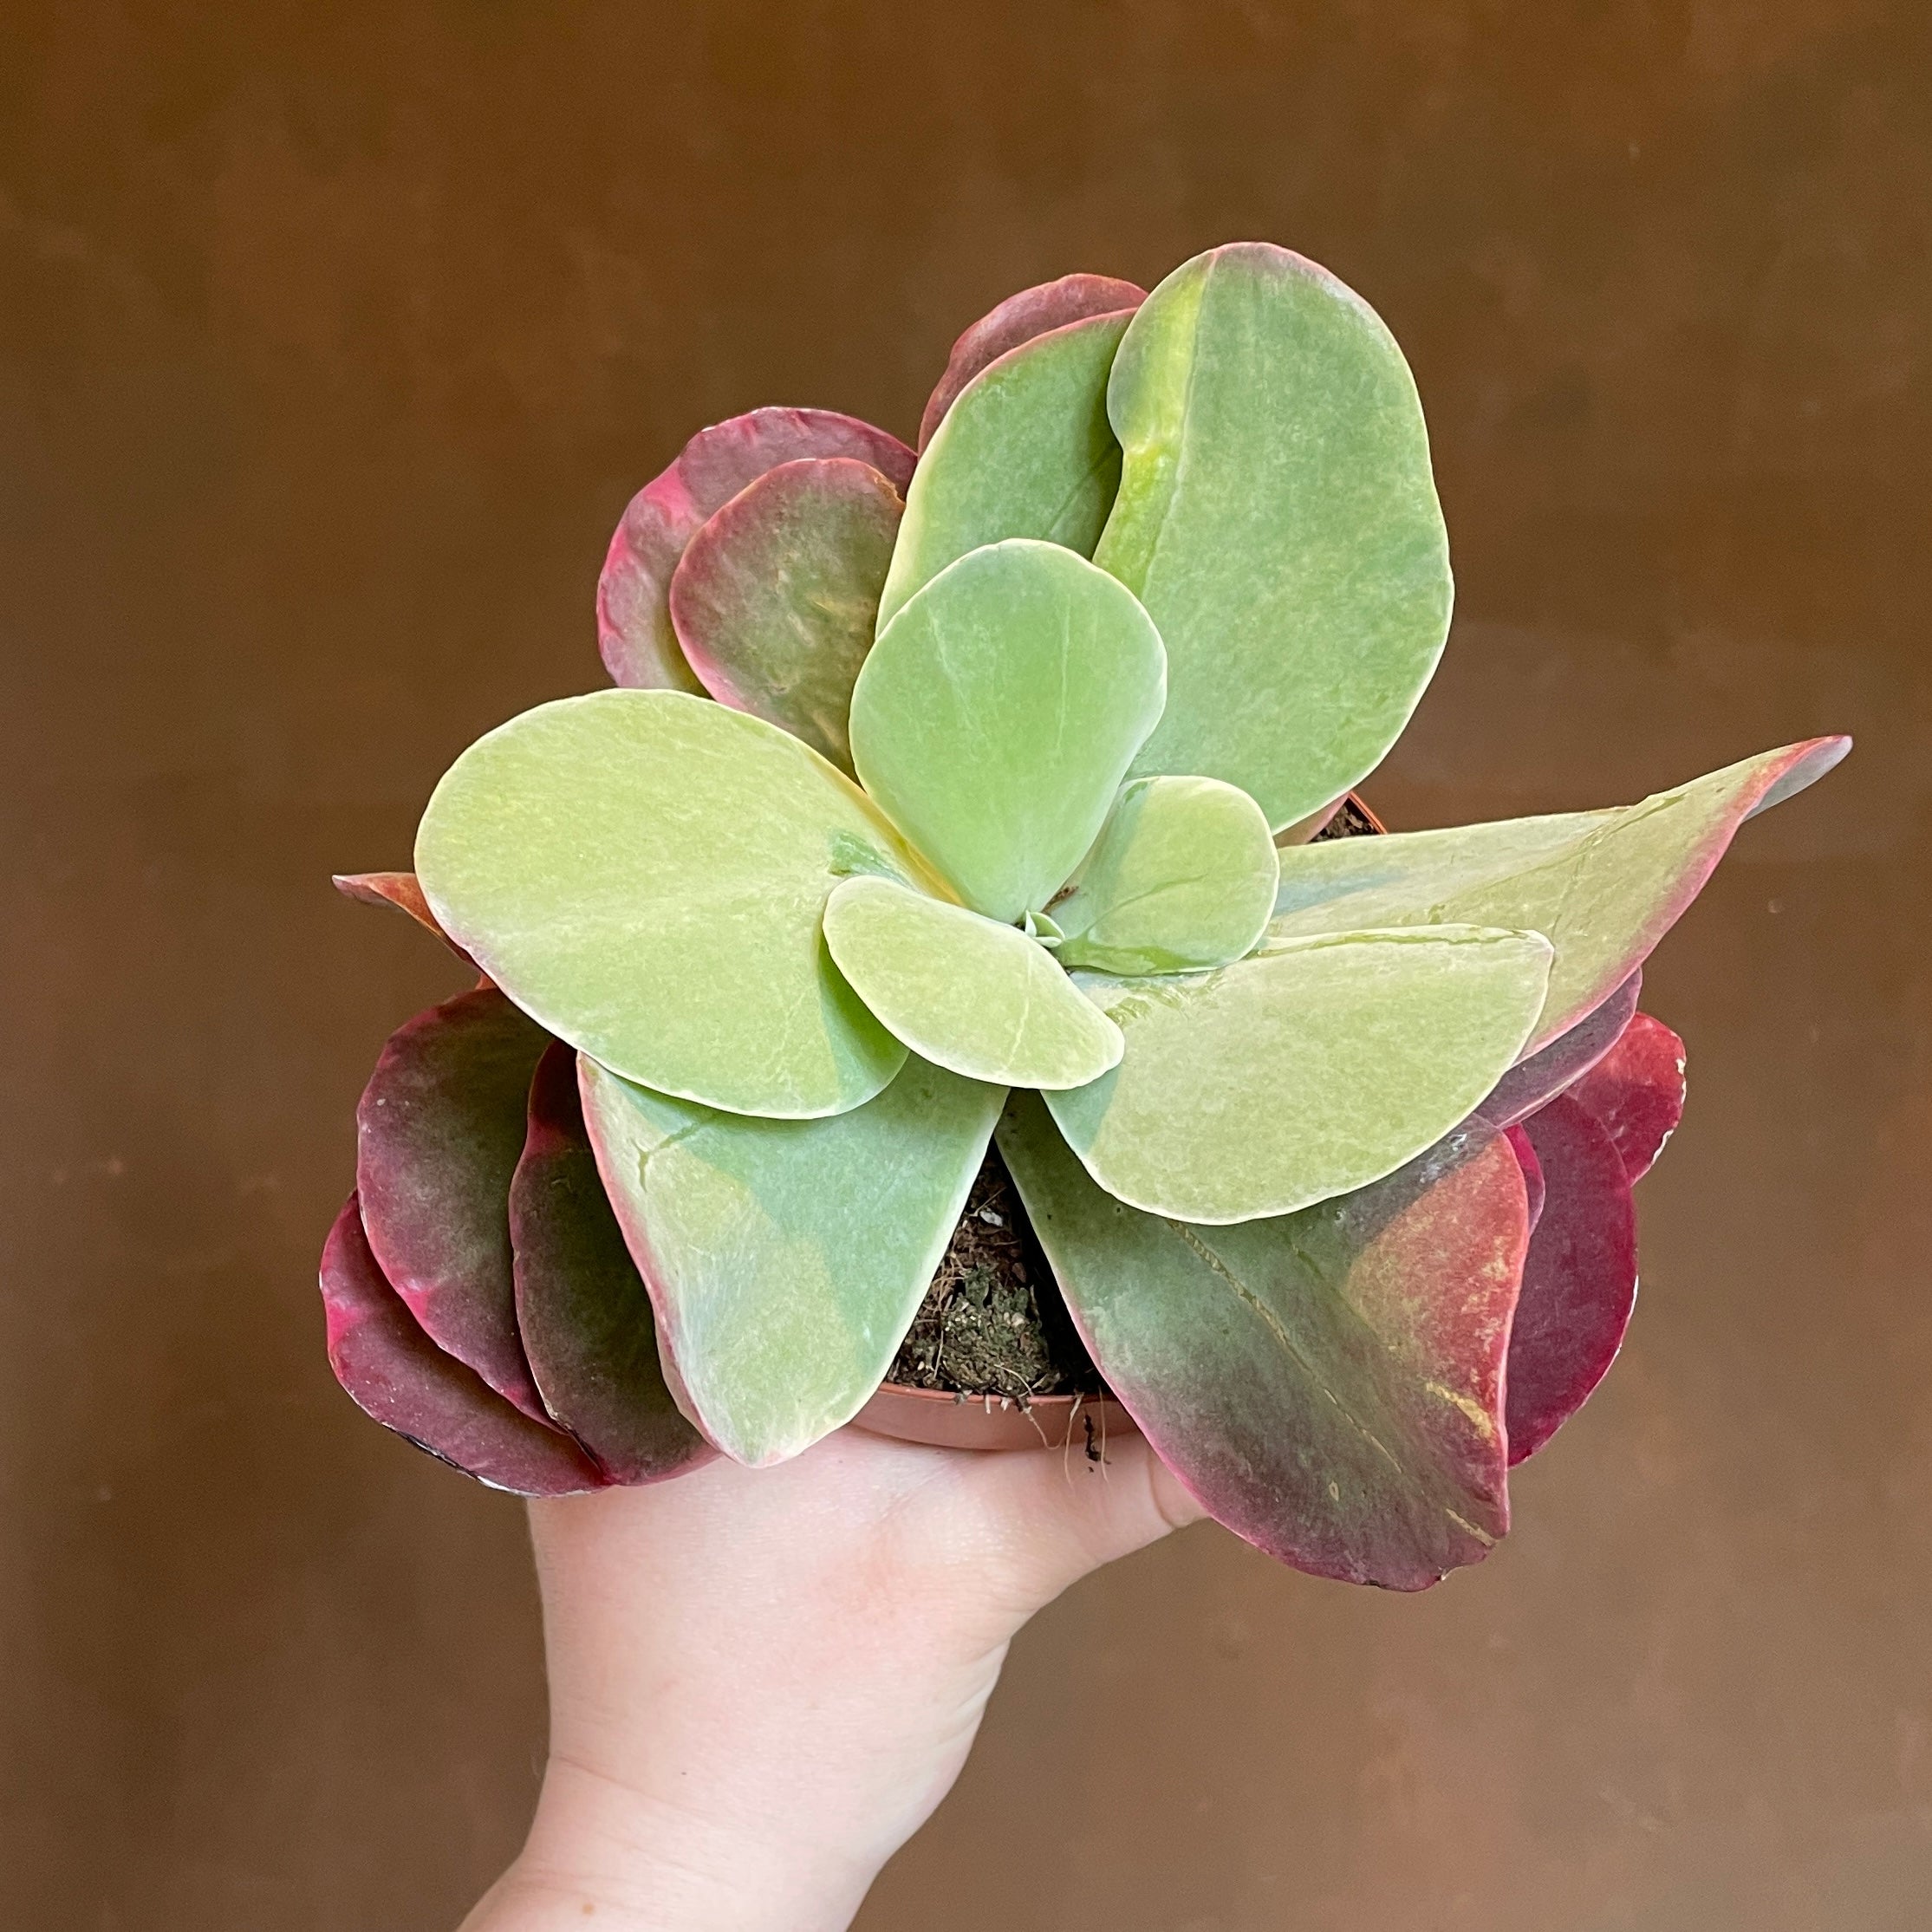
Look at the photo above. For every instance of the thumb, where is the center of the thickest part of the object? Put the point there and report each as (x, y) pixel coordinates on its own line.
(1056, 1514)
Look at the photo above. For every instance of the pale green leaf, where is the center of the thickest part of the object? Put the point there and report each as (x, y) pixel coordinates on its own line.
(1277, 517)
(979, 998)
(997, 714)
(786, 1259)
(1182, 877)
(1605, 887)
(1024, 451)
(643, 872)
(1281, 1080)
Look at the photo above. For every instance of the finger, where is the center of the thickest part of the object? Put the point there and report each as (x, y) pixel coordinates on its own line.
(1056, 1515)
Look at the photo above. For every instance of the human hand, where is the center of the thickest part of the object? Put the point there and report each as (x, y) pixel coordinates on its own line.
(762, 1681)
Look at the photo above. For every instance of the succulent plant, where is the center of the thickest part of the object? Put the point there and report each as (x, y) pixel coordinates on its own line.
(975, 793)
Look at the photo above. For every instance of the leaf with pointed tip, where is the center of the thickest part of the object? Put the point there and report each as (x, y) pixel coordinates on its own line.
(582, 1307)
(634, 633)
(995, 718)
(1277, 517)
(1182, 877)
(1019, 319)
(644, 872)
(980, 999)
(1284, 1079)
(437, 1134)
(394, 1373)
(775, 601)
(1579, 1281)
(1635, 1092)
(1565, 1060)
(1328, 1384)
(402, 890)
(1026, 451)
(786, 1259)
(1605, 886)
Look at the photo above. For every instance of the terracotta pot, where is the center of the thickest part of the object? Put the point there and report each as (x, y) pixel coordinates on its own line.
(951, 1421)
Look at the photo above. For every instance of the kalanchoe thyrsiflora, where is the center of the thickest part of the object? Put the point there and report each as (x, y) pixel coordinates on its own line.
(973, 793)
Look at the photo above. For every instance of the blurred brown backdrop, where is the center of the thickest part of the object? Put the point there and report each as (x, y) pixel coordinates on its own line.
(332, 340)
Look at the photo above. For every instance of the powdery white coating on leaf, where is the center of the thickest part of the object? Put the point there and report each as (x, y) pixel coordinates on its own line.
(774, 599)
(977, 997)
(1286, 1078)
(1277, 516)
(395, 1374)
(1019, 319)
(996, 716)
(1026, 451)
(1329, 1384)
(1182, 877)
(1579, 1281)
(439, 1129)
(786, 1259)
(644, 873)
(1605, 886)
(582, 1310)
(1635, 1092)
(634, 633)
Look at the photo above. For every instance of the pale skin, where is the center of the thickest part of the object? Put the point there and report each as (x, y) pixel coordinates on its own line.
(762, 1681)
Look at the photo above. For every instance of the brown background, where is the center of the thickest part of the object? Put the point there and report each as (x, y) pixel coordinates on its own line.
(332, 340)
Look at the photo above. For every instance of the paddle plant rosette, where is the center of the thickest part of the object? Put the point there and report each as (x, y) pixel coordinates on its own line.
(974, 795)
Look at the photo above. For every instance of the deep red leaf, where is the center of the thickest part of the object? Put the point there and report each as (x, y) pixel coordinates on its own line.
(1019, 319)
(1533, 1171)
(396, 1374)
(1579, 1281)
(1636, 1092)
(634, 616)
(439, 1133)
(582, 1307)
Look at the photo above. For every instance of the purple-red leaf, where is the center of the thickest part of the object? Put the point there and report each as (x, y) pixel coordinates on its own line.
(1533, 1171)
(1019, 319)
(1636, 1092)
(583, 1308)
(439, 1133)
(1579, 1281)
(634, 632)
(1329, 1384)
(1548, 1073)
(777, 597)
(404, 892)
(394, 1373)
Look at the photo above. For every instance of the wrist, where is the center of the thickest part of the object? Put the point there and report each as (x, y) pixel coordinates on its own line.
(636, 1861)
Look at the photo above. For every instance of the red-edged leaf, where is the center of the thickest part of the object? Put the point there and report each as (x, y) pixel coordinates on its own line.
(1636, 1092)
(1328, 1383)
(1019, 319)
(634, 616)
(1547, 1073)
(1579, 1281)
(776, 598)
(583, 1308)
(439, 1133)
(402, 890)
(394, 1373)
